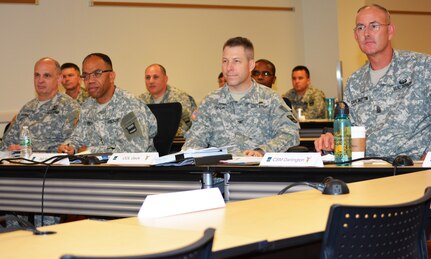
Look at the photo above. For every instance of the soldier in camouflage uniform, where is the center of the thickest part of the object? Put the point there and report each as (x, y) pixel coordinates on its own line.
(156, 81)
(71, 81)
(112, 120)
(304, 96)
(391, 95)
(249, 116)
(51, 117)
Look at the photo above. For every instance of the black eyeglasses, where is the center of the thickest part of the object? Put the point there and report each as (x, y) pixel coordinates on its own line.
(258, 73)
(98, 73)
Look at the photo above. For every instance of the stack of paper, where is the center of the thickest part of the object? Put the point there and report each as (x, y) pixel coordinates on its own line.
(191, 153)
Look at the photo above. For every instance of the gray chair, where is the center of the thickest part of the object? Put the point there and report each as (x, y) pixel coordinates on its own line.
(168, 117)
(393, 231)
(201, 249)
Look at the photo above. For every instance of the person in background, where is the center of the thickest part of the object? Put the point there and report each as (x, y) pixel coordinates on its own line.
(156, 81)
(264, 72)
(50, 117)
(246, 116)
(71, 82)
(304, 96)
(221, 80)
(112, 120)
(390, 95)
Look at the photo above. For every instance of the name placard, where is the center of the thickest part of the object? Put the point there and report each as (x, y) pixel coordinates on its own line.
(133, 158)
(39, 157)
(427, 160)
(174, 203)
(292, 160)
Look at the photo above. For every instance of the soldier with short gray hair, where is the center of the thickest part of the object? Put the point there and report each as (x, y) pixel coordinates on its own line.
(390, 95)
(50, 117)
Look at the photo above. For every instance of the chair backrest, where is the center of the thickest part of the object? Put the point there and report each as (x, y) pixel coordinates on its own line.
(168, 117)
(201, 249)
(394, 231)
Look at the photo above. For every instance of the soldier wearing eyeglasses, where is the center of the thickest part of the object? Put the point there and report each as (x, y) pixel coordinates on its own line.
(112, 120)
(305, 96)
(391, 94)
(264, 72)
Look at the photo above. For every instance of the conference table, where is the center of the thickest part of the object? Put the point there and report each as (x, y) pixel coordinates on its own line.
(288, 226)
(118, 191)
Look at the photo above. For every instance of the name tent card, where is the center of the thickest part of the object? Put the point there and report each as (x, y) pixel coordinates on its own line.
(427, 160)
(292, 160)
(39, 157)
(174, 203)
(133, 158)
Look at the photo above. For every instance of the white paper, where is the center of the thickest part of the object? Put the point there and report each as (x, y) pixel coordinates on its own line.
(174, 203)
(39, 157)
(212, 151)
(243, 160)
(427, 160)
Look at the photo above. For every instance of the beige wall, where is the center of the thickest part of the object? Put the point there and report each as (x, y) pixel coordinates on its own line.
(187, 42)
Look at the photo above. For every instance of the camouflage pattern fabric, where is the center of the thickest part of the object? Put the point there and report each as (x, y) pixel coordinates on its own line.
(125, 124)
(82, 96)
(312, 102)
(397, 111)
(171, 95)
(49, 125)
(260, 119)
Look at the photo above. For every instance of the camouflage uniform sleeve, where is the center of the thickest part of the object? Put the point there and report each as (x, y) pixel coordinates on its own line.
(319, 105)
(197, 136)
(285, 129)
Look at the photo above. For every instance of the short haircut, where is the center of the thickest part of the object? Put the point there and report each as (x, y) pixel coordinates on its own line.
(243, 42)
(300, 68)
(388, 15)
(57, 65)
(104, 57)
(70, 65)
(160, 66)
(268, 63)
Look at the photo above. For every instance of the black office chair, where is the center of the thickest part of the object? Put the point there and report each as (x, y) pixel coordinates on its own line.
(201, 249)
(168, 117)
(393, 231)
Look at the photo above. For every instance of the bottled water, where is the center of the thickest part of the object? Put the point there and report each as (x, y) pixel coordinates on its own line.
(25, 143)
(342, 133)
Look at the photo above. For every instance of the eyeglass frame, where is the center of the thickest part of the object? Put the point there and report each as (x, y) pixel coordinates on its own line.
(263, 73)
(375, 26)
(96, 73)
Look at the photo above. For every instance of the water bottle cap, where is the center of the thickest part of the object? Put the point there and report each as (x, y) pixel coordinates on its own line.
(341, 108)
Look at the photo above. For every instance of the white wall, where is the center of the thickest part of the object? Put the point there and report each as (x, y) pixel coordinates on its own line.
(187, 42)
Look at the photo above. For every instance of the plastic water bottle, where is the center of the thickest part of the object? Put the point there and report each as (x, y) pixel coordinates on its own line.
(342, 133)
(25, 143)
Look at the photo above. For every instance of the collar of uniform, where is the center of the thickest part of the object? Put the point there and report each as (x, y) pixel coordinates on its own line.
(389, 79)
(251, 97)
